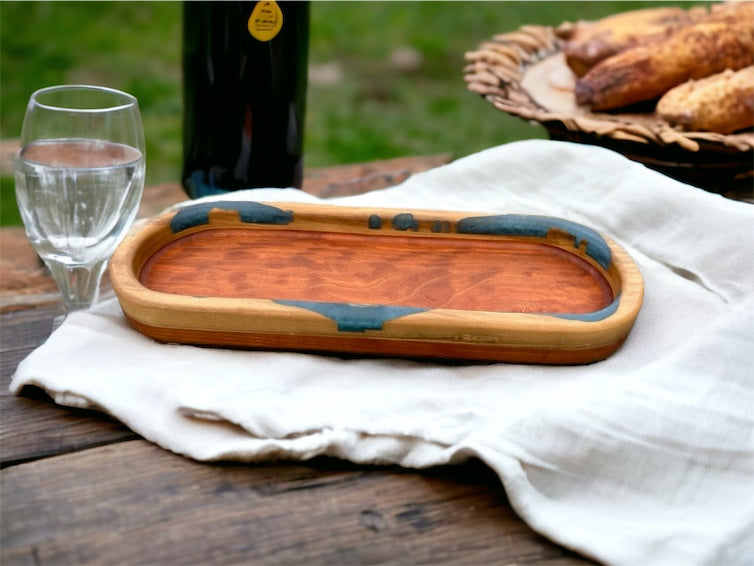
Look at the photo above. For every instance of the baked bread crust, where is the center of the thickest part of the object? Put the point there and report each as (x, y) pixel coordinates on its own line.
(722, 103)
(647, 71)
(588, 43)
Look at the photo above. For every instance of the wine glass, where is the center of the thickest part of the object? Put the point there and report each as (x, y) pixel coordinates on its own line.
(79, 180)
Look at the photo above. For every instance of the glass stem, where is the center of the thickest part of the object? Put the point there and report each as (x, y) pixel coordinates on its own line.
(78, 284)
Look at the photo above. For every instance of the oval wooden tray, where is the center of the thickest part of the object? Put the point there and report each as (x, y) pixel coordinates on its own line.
(384, 282)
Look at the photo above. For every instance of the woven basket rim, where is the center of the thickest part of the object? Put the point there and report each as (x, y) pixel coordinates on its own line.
(496, 69)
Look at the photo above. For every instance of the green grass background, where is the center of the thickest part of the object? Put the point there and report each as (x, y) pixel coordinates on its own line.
(374, 111)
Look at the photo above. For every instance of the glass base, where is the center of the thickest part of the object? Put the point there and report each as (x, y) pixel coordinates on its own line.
(78, 284)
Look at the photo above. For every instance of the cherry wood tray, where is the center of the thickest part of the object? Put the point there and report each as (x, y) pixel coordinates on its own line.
(388, 282)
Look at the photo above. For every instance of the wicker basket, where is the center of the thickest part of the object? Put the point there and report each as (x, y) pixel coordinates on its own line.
(524, 73)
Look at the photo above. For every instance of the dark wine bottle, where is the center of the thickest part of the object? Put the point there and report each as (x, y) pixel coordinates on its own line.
(244, 95)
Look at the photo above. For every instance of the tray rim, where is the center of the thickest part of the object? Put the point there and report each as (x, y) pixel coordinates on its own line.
(153, 312)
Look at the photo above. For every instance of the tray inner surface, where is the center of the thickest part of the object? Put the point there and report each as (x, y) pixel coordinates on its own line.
(501, 275)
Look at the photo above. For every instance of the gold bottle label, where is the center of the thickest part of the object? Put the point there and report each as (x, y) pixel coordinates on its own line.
(265, 21)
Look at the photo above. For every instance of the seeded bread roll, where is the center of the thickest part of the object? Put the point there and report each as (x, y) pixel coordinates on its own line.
(649, 70)
(721, 103)
(588, 43)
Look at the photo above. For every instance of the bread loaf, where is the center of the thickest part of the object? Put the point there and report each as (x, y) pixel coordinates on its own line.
(722, 103)
(647, 71)
(588, 43)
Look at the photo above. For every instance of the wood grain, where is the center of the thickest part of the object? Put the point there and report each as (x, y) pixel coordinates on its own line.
(135, 503)
(31, 427)
(500, 276)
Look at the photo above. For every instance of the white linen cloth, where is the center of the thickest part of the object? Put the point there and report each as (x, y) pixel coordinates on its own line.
(644, 458)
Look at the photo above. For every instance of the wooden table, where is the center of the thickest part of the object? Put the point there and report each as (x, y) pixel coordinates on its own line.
(79, 487)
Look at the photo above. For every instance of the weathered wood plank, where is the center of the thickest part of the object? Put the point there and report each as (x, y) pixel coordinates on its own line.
(357, 178)
(135, 503)
(31, 426)
(25, 329)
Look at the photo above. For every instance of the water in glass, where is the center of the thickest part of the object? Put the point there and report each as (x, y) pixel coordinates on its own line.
(79, 194)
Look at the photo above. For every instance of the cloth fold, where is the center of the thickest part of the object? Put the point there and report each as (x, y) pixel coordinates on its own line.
(644, 458)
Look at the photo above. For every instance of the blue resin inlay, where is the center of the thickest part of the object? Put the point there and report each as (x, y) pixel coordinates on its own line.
(405, 221)
(354, 318)
(250, 212)
(538, 226)
(375, 222)
(594, 316)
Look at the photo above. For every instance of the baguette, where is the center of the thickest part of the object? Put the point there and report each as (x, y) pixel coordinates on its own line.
(721, 103)
(647, 71)
(588, 43)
